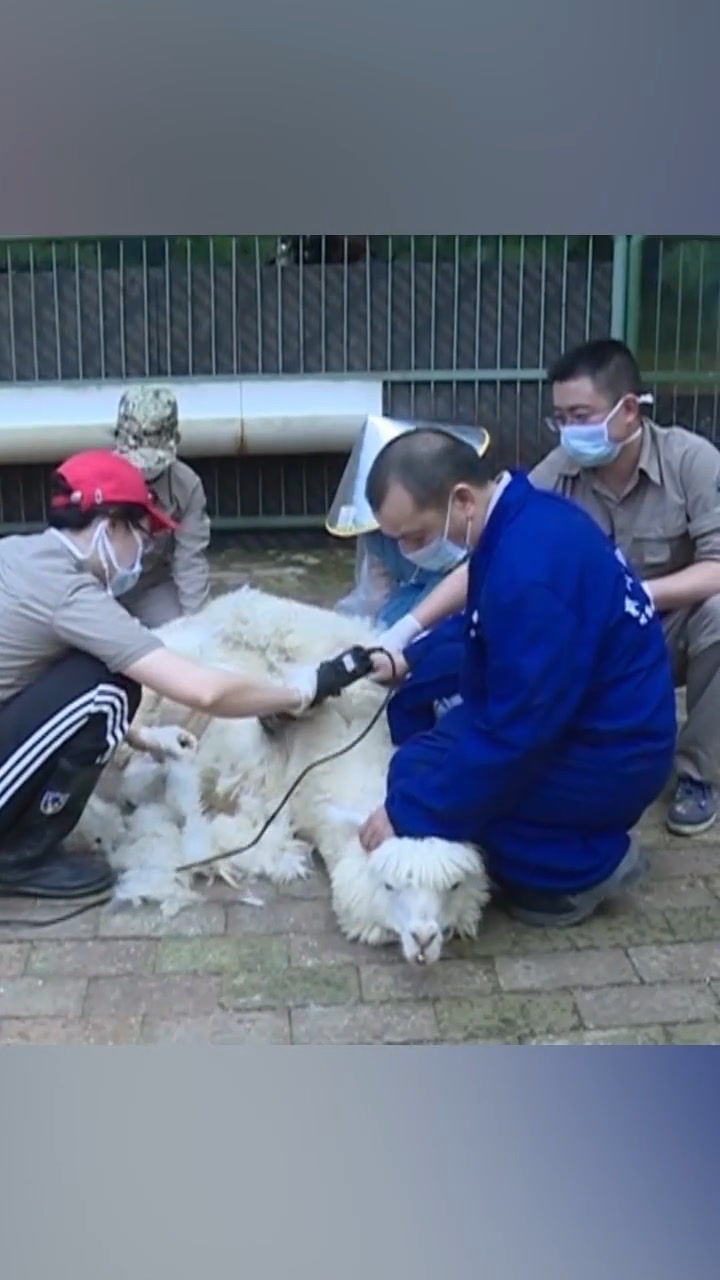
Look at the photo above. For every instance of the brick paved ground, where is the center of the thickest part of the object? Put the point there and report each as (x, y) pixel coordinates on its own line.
(646, 972)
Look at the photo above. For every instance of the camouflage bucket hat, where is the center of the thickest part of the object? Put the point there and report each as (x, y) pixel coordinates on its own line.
(146, 432)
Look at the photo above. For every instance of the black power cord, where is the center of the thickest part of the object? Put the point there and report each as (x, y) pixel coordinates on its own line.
(355, 668)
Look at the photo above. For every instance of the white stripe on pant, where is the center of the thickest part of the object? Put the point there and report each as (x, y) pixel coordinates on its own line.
(105, 699)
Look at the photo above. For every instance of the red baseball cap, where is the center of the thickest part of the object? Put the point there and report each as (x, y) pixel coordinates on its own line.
(99, 477)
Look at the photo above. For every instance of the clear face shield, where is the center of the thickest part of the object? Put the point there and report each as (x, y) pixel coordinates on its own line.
(350, 515)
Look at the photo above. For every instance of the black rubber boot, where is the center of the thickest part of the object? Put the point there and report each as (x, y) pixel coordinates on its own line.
(33, 860)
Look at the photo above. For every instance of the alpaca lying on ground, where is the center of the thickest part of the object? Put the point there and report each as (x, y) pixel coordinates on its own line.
(217, 792)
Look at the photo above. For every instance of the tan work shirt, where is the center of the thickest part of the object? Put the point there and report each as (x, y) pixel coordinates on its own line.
(49, 604)
(668, 516)
(179, 557)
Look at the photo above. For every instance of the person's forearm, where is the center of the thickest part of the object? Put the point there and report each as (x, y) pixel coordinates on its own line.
(236, 697)
(686, 588)
(191, 575)
(218, 692)
(447, 597)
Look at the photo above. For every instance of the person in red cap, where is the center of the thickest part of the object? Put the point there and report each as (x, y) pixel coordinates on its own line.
(72, 665)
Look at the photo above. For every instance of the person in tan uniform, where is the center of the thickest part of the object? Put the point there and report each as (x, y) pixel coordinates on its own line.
(73, 663)
(656, 492)
(175, 576)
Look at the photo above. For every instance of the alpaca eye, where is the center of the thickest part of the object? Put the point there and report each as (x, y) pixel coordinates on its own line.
(389, 887)
(455, 886)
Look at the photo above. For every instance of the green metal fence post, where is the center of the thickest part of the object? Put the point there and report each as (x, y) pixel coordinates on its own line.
(634, 301)
(619, 287)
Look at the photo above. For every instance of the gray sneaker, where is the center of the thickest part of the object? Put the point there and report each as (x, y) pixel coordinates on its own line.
(694, 807)
(535, 907)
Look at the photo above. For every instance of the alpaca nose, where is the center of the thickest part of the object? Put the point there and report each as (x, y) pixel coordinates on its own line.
(424, 937)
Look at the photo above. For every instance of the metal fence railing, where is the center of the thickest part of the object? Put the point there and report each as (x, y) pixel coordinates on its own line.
(673, 324)
(425, 306)
(252, 493)
(459, 328)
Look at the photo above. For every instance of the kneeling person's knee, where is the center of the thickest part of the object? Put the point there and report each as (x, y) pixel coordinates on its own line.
(704, 625)
(111, 707)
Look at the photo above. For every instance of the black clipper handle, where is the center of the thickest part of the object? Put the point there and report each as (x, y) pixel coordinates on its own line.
(335, 674)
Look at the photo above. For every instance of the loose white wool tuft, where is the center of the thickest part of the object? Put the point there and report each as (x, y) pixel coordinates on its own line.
(217, 797)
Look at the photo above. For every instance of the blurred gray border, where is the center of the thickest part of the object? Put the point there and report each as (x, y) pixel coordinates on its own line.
(143, 1163)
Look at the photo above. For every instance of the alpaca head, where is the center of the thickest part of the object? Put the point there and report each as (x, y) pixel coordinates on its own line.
(421, 892)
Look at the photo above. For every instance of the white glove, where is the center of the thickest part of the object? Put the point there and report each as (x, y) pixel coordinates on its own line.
(399, 635)
(303, 681)
(167, 742)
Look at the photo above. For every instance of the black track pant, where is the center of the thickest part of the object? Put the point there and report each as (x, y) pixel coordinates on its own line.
(77, 710)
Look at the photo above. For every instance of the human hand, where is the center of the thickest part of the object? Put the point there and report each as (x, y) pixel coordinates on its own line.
(400, 634)
(375, 830)
(330, 677)
(166, 742)
(388, 667)
(301, 680)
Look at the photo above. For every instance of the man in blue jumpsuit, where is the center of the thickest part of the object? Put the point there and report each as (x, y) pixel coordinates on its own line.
(563, 728)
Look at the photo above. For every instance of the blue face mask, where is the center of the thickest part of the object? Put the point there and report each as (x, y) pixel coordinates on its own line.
(589, 443)
(441, 555)
(123, 581)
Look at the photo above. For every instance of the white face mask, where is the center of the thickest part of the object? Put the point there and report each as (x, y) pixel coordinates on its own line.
(117, 579)
(589, 443)
(442, 554)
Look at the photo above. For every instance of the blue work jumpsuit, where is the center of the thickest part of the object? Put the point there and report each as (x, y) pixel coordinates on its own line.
(565, 731)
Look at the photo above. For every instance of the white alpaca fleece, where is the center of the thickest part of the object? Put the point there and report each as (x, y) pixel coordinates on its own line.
(218, 796)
